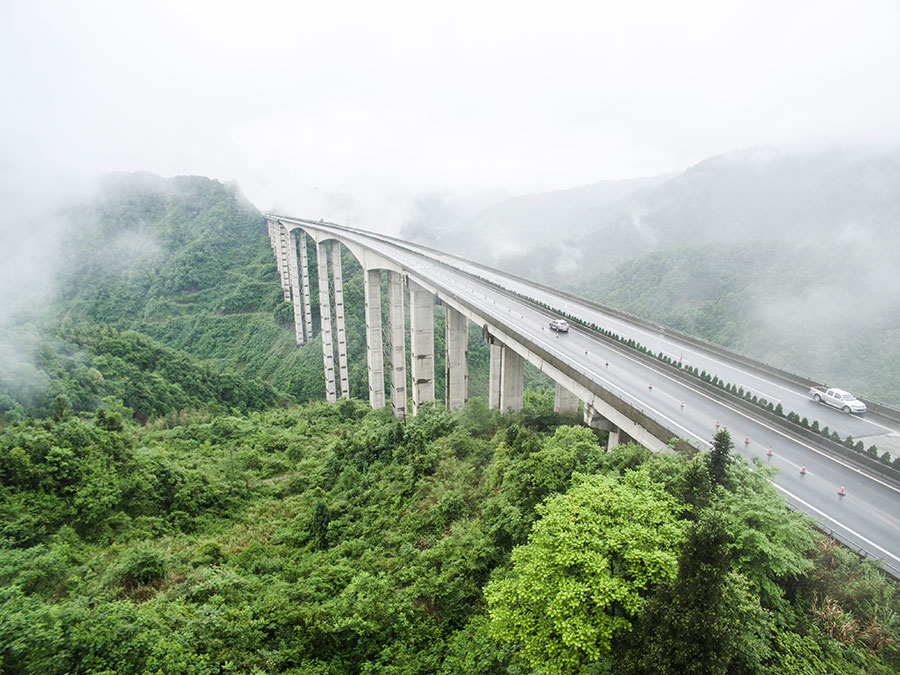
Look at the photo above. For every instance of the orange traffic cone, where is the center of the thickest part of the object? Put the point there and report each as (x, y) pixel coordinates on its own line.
(717, 424)
(650, 386)
(803, 470)
(769, 453)
(841, 493)
(747, 440)
(682, 404)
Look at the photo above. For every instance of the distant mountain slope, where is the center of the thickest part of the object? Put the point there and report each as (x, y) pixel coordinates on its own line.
(777, 302)
(184, 261)
(759, 195)
(511, 230)
(847, 197)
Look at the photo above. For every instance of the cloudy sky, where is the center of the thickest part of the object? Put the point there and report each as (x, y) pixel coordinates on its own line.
(323, 109)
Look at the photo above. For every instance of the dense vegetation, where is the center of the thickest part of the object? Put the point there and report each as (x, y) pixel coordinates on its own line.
(335, 539)
(166, 506)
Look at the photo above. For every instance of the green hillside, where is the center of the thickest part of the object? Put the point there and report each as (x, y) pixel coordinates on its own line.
(334, 539)
(167, 507)
(776, 303)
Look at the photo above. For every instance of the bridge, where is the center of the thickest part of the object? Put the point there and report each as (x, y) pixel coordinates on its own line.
(632, 378)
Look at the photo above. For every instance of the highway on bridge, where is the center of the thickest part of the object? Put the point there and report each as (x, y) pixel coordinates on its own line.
(867, 517)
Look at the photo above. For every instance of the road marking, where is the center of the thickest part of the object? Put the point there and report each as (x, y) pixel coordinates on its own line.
(837, 522)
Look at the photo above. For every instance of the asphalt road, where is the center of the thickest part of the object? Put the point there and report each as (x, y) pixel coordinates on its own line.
(866, 517)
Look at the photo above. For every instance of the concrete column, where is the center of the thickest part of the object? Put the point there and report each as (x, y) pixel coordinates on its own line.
(397, 337)
(374, 347)
(595, 420)
(338, 283)
(304, 285)
(613, 437)
(512, 384)
(283, 262)
(271, 226)
(457, 360)
(421, 343)
(293, 274)
(495, 373)
(566, 403)
(325, 314)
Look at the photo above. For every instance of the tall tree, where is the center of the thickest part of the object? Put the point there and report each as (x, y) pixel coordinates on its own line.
(581, 578)
(720, 457)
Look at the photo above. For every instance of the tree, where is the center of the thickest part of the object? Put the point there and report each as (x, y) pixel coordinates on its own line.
(685, 628)
(583, 574)
(720, 457)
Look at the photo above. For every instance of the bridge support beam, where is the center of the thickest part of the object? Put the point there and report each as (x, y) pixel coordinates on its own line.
(271, 225)
(421, 343)
(495, 373)
(506, 378)
(337, 279)
(282, 258)
(325, 316)
(513, 384)
(565, 403)
(374, 346)
(293, 274)
(397, 337)
(304, 283)
(457, 359)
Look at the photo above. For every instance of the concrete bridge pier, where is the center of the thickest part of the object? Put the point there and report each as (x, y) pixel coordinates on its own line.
(457, 360)
(338, 284)
(597, 421)
(397, 347)
(421, 343)
(282, 258)
(325, 315)
(374, 346)
(293, 274)
(506, 378)
(304, 283)
(270, 224)
(565, 403)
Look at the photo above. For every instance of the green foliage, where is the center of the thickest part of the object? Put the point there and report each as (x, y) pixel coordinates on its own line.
(588, 564)
(720, 458)
(336, 539)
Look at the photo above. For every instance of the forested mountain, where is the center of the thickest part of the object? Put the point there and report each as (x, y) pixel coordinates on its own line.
(165, 508)
(785, 256)
(172, 278)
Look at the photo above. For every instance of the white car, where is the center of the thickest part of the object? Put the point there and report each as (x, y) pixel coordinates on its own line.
(559, 325)
(838, 398)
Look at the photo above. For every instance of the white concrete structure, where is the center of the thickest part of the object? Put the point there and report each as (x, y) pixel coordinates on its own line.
(304, 283)
(337, 280)
(325, 317)
(456, 369)
(421, 344)
(374, 346)
(293, 275)
(397, 335)
(565, 403)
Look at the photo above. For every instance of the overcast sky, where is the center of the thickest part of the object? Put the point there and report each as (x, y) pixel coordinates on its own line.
(301, 101)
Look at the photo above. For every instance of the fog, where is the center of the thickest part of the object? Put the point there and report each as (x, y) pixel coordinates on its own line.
(404, 117)
(351, 110)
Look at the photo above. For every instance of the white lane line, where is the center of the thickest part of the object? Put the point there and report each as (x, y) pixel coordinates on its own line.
(837, 522)
(773, 429)
(780, 459)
